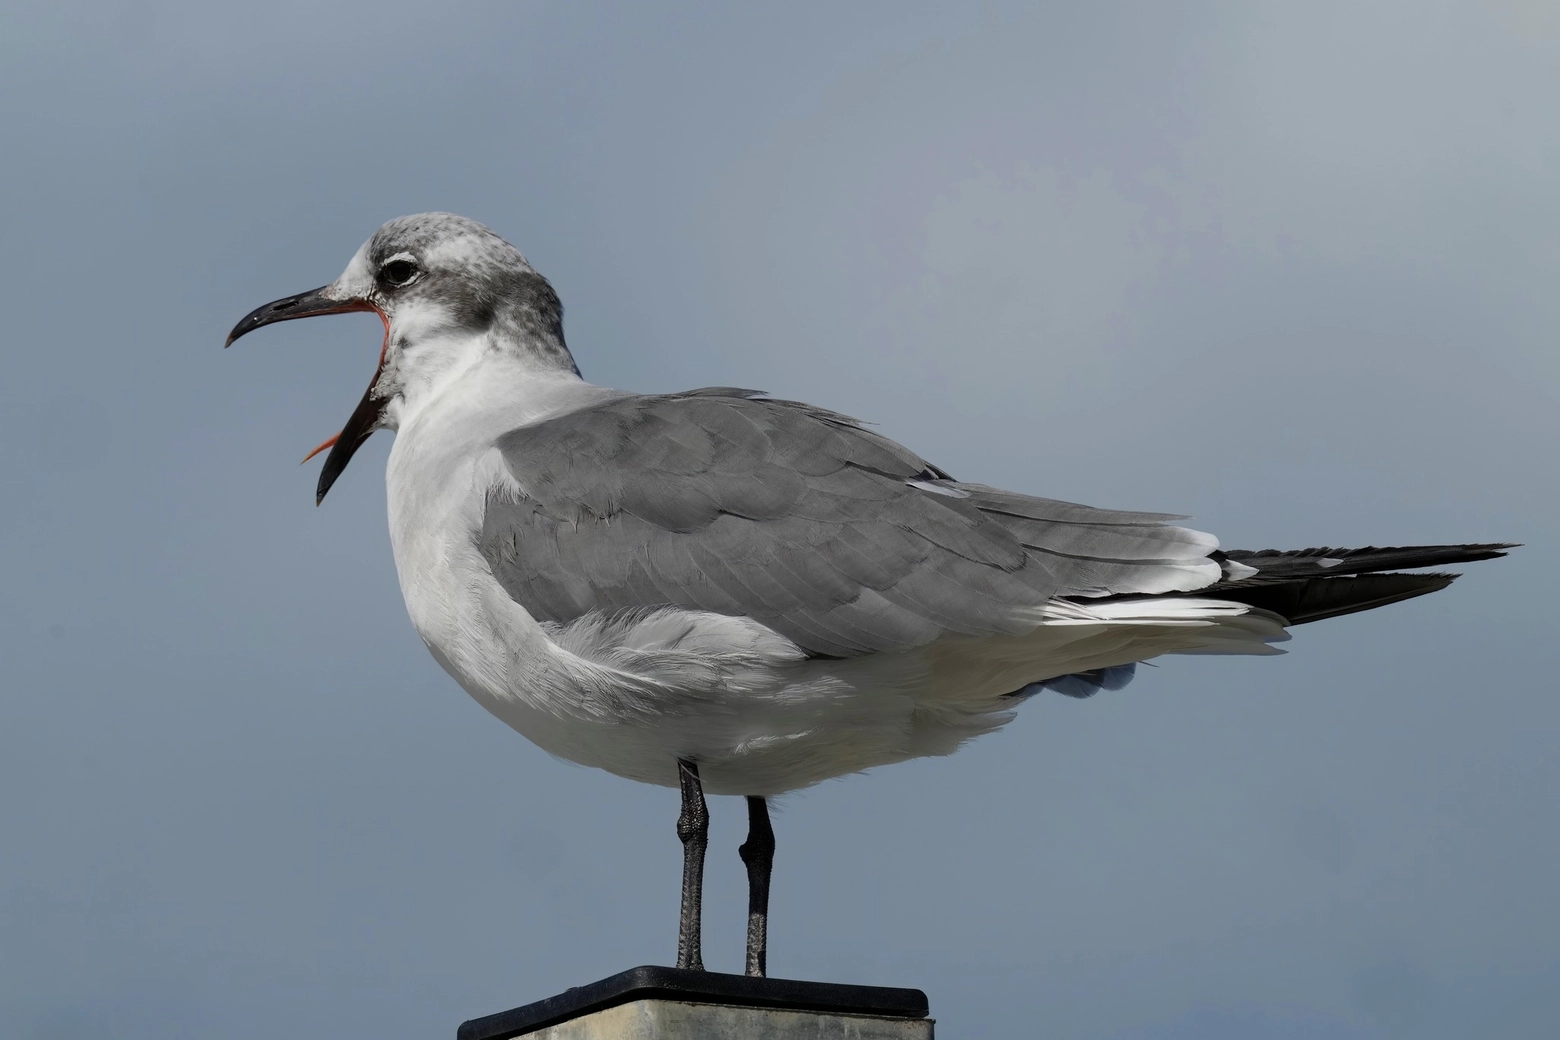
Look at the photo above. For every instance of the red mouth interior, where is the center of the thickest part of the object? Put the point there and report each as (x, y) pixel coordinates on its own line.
(384, 346)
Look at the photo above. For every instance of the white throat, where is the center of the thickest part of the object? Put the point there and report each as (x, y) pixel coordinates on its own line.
(431, 366)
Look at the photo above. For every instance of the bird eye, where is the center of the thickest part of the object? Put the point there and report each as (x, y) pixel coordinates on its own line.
(398, 272)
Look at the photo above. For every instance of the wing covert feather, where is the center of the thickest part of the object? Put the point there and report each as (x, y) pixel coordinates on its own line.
(840, 539)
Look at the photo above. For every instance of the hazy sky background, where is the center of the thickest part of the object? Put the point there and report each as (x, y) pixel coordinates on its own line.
(1290, 268)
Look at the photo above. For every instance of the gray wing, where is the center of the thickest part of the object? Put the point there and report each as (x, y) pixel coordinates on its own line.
(836, 537)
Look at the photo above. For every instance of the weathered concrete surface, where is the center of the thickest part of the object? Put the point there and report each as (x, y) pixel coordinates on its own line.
(674, 1020)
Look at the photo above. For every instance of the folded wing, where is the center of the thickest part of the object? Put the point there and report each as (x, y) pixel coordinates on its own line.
(843, 541)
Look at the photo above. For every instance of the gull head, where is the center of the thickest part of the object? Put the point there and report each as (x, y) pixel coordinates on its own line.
(448, 289)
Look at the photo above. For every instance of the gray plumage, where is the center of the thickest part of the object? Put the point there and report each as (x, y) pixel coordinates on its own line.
(838, 538)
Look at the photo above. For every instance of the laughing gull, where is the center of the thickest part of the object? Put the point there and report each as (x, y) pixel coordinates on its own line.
(720, 591)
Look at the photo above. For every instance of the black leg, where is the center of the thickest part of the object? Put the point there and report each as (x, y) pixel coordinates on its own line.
(758, 852)
(693, 828)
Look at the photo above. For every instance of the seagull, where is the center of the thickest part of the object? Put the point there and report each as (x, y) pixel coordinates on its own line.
(723, 592)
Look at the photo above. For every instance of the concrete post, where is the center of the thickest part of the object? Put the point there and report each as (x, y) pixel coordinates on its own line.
(651, 1003)
(676, 1020)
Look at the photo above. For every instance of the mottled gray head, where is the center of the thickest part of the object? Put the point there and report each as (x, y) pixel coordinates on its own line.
(437, 273)
(444, 286)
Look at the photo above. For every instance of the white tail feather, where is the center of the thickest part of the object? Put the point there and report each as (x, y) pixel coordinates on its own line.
(1078, 637)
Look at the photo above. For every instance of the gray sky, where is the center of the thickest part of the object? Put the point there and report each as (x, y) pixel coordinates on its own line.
(1289, 268)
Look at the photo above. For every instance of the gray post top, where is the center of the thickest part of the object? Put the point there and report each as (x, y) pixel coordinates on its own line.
(651, 1003)
(679, 1020)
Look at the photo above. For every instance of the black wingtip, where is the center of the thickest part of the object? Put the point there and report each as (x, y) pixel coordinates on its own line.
(1335, 562)
(1303, 600)
(1488, 551)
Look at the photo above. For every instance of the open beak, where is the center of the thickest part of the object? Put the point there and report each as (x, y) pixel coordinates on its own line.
(365, 417)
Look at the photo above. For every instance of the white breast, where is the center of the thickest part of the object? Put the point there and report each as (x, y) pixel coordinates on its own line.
(440, 468)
